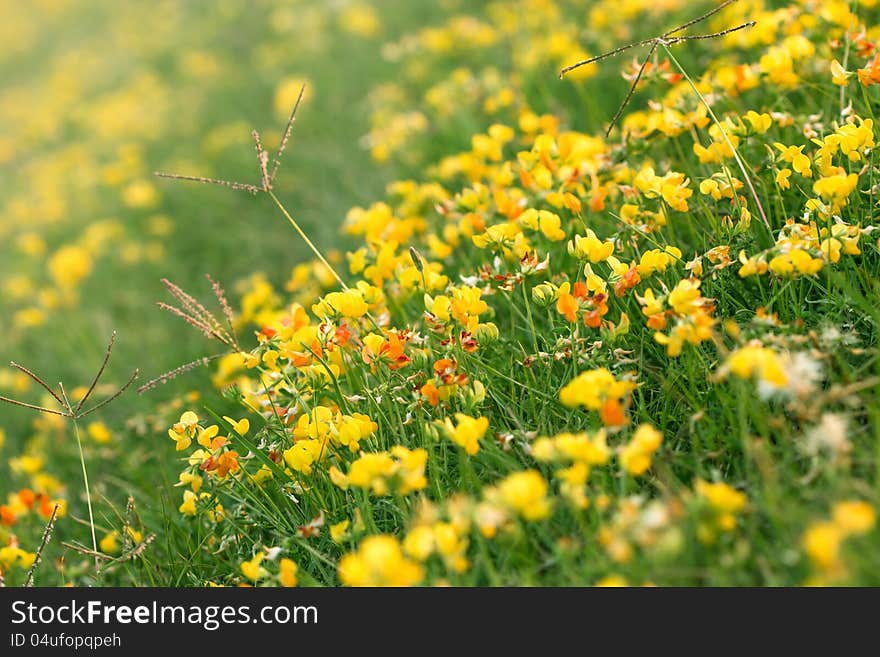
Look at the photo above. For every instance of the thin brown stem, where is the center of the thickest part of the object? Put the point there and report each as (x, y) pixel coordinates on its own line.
(99, 374)
(700, 19)
(40, 381)
(42, 409)
(47, 534)
(192, 321)
(126, 526)
(224, 305)
(247, 187)
(605, 55)
(67, 403)
(191, 304)
(136, 551)
(183, 369)
(713, 35)
(262, 159)
(276, 162)
(632, 90)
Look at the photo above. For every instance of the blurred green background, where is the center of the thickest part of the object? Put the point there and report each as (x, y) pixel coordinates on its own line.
(98, 95)
(95, 97)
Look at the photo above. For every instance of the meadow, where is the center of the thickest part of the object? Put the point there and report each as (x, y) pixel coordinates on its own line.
(466, 320)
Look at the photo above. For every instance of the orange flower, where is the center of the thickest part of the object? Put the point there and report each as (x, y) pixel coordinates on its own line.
(628, 281)
(430, 391)
(342, 334)
(389, 348)
(566, 304)
(467, 341)
(657, 322)
(598, 195)
(445, 369)
(7, 516)
(612, 414)
(228, 462)
(871, 73)
(47, 505)
(593, 318)
(394, 351)
(26, 496)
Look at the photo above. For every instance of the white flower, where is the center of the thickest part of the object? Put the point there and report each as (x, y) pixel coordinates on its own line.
(829, 436)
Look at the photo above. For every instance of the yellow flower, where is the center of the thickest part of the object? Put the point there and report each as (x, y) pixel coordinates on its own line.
(349, 304)
(304, 454)
(547, 222)
(99, 432)
(822, 542)
(724, 503)
(590, 247)
(69, 265)
(451, 546)
(110, 543)
(673, 187)
(854, 517)
(188, 508)
(419, 542)
(241, 427)
(577, 448)
(467, 306)
(635, 457)
(466, 432)
(31, 244)
(360, 18)
(252, 569)
(287, 572)
(656, 260)
(839, 75)
(614, 581)
(339, 531)
(709, 187)
(410, 468)
(183, 431)
(372, 471)
(190, 479)
(782, 178)
(526, 493)
(12, 555)
(760, 122)
(438, 306)
(206, 436)
(140, 194)
(836, 188)
(379, 561)
(795, 156)
(287, 92)
(685, 299)
(593, 388)
(750, 360)
(349, 430)
(499, 235)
